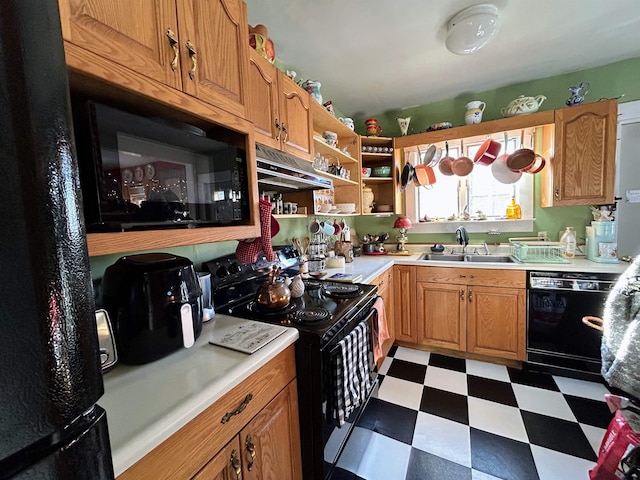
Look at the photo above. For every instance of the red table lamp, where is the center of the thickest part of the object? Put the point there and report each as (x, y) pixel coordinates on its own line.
(402, 223)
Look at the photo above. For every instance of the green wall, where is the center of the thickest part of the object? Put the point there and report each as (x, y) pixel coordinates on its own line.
(606, 82)
(609, 81)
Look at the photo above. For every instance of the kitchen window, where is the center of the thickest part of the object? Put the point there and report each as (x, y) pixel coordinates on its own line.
(479, 194)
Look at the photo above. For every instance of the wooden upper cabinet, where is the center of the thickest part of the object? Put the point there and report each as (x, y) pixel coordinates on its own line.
(279, 108)
(583, 166)
(213, 41)
(197, 46)
(295, 117)
(132, 34)
(263, 105)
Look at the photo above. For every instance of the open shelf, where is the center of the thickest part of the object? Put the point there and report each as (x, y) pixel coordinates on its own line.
(376, 179)
(325, 150)
(291, 215)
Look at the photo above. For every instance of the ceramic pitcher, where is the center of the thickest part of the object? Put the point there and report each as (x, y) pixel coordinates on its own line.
(474, 112)
(373, 129)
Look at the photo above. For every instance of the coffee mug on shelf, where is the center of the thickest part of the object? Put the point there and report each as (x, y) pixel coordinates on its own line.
(331, 138)
(327, 228)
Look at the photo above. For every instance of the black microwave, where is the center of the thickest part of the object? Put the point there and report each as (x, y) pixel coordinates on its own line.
(139, 173)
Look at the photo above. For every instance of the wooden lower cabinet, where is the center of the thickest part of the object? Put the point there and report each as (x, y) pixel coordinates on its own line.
(441, 316)
(404, 303)
(266, 448)
(463, 310)
(384, 282)
(496, 321)
(252, 432)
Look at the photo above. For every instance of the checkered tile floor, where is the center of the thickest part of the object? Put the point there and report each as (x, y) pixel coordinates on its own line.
(445, 418)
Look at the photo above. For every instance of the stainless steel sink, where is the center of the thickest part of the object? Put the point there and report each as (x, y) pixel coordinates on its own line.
(443, 257)
(469, 257)
(490, 258)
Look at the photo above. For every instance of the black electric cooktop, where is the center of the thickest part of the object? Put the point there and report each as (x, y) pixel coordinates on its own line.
(318, 314)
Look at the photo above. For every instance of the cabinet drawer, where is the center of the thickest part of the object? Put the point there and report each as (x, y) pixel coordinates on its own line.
(382, 281)
(473, 276)
(183, 454)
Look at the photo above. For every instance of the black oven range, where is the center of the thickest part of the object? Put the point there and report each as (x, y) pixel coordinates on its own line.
(332, 319)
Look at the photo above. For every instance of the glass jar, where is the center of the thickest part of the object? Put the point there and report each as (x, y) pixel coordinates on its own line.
(513, 210)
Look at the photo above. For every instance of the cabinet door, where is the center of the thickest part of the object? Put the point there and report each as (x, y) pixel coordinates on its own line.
(262, 107)
(132, 33)
(271, 441)
(226, 465)
(442, 320)
(583, 166)
(404, 304)
(214, 36)
(497, 321)
(295, 118)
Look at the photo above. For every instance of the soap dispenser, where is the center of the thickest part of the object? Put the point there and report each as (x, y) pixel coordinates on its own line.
(513, 210)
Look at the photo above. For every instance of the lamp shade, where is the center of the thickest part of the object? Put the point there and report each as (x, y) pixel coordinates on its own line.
(472, 28)
(402, 222)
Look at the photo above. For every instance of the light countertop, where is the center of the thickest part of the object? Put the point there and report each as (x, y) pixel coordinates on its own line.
(370, 266)
(146, 404)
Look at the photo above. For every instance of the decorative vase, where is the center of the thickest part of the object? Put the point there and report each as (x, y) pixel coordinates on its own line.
(474, 112)
(576, 97)
(367, 199)
(403, 123)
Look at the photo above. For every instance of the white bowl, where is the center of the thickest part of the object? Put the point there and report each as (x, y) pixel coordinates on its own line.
(346, 207)
(325, 207)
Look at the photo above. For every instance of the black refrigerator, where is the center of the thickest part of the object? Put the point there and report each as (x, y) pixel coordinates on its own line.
(50, 377)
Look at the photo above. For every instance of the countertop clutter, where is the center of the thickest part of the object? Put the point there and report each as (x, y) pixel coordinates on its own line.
(147, 404)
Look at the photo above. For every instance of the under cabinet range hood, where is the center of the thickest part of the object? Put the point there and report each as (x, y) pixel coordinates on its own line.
(279, 171)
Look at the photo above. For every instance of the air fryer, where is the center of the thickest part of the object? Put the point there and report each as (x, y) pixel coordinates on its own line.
(154, 301)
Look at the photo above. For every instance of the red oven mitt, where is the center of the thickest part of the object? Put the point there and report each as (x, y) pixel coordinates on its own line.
(248, 251)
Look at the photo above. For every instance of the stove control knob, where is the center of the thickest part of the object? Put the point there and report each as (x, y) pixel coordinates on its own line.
(235, 268)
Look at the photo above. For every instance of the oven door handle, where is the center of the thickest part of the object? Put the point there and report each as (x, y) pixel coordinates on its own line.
(593, 322)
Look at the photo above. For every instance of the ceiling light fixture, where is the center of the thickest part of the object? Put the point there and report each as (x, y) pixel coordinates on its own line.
(472, 28)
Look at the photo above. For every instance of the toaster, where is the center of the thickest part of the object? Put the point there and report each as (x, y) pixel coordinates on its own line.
(154, 302)
(106, 340)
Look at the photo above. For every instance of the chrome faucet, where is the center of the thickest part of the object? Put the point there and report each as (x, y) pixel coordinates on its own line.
(462, 237)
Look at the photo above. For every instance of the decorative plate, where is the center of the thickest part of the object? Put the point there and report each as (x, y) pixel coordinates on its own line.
(151, 171)
(139, 175)
(127, 175)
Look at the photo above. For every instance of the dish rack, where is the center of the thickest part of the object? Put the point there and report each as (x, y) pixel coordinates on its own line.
(538, 251)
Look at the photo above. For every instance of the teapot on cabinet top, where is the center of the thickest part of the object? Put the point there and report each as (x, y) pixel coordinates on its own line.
(523, 105)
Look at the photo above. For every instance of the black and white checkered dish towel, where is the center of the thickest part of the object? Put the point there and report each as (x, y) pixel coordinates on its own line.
(351, 373)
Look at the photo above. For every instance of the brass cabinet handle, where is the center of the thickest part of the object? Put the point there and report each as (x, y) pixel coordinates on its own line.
(286, 134)
(173, 41)
(462, 276)
(556, 192)
(461, 294)
(470, 296)
(251, 448)
(278, 129)
(381, 284)
(471, 276)
(194, 59)
(235, 464)
(227, 416)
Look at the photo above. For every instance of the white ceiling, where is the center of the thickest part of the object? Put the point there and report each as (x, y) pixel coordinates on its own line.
(376, 55)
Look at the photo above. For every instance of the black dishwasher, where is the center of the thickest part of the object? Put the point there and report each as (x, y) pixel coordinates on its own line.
(557, 340)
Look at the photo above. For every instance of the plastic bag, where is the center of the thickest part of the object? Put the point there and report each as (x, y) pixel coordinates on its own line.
(619, 440)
